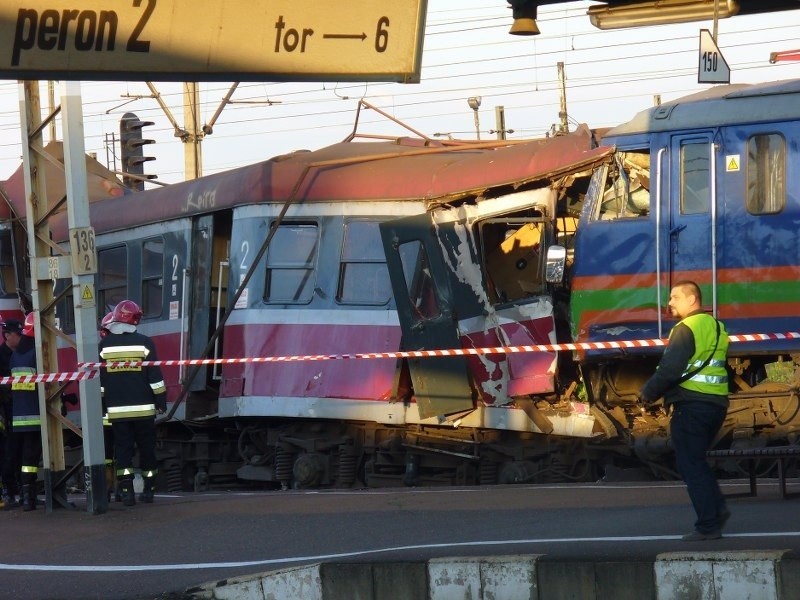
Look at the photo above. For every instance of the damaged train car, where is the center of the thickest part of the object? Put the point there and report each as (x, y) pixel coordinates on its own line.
(419, 244)
(694, 189)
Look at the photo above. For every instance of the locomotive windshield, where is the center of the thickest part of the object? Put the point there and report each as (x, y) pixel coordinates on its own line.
(621, 189)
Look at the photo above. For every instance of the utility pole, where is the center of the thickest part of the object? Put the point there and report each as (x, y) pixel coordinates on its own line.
(474, 103)
(500, 123)
(36, 210)
(50, 262)
(84, 268)
(51, 106)
(562, 112)
(193, 155)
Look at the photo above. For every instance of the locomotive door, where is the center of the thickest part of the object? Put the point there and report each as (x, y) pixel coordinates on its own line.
(423, 294)
(693, 212)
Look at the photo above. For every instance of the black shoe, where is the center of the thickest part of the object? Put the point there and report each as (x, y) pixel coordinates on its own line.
(699, 536)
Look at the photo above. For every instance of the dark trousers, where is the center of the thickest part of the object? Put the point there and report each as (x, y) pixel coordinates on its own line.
(23, 454)
(693, 427)
(131, 435)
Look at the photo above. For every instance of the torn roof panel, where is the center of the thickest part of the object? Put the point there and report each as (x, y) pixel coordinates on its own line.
(396, 171)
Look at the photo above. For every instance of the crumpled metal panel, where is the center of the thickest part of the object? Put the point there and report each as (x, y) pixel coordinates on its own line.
(388, 170)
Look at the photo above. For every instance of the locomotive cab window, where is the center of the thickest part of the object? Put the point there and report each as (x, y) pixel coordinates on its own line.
(152, 277)
(291, 261)
(363, 275)
(766, 174)
(112, 278)
(621, 189)
(695, 178)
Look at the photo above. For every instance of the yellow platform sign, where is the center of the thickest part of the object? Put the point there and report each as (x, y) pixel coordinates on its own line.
(207, 40)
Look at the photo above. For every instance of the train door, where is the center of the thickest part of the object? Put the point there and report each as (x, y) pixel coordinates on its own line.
(207, 288)
(426, 310)
(692, 222)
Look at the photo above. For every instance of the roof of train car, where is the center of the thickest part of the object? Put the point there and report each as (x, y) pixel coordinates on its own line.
(400, 170)
(716, 106)
(101, 183)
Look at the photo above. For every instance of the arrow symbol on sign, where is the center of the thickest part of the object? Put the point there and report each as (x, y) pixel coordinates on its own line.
(345, 36)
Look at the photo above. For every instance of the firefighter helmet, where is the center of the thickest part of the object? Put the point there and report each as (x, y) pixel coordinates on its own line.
(127, 311)
(28, 328)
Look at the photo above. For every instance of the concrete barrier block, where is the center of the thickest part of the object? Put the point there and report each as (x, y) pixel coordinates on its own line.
(677, 579)
(246, 588)
(400, 581)
(346, 581)
(564, 580)
(632, 580)
(298, 582)
(749, 575)
(509, 578)
(788, 576)
(454, 579)
(483, 578)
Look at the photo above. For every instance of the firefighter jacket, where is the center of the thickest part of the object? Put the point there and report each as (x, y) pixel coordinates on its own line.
(24, 397)
(131, 391)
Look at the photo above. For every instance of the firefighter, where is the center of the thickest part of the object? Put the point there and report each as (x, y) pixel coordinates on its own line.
(26, 443)
(108, 435)
(132, 394)
(8, 470)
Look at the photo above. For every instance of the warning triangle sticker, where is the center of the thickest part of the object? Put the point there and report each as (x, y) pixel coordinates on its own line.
(87, 296)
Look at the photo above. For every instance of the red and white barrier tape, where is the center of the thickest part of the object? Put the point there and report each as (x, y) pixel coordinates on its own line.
(89, 370)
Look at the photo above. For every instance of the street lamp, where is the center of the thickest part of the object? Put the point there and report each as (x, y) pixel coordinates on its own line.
(475, 103)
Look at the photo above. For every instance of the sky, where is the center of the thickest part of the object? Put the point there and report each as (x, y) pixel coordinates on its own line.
(610, 76)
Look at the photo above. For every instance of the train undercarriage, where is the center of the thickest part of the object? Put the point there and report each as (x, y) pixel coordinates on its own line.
(627, 442)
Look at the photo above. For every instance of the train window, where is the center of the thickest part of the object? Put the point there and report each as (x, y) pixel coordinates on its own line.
(419, 281)
(152, 277)
(514, 263)
(65, 308)
(363, 276)
(695, 178)
(766, 174)
(291, 258)
(112, 278)
(7, 277)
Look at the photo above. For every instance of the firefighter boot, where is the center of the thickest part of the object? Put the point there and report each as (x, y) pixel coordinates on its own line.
(147, 493)
(126, 490)
(29, 497)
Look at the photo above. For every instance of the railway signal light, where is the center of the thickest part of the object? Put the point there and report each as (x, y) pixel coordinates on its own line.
(131, 144)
